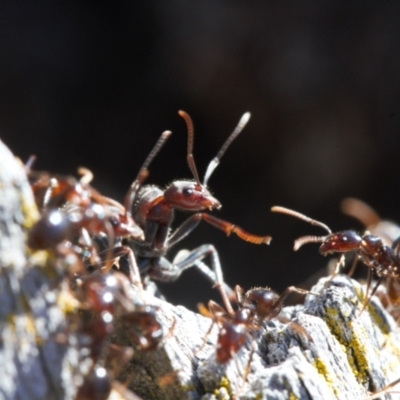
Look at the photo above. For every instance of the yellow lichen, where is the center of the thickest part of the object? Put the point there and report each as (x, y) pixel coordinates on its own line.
(358, 360)
(223, 390)
(67, 303)
(292, 396)
(354, 349)
(29, 211)
(322, 369)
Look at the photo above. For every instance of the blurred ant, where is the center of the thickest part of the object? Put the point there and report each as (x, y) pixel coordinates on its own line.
(105, 303)
(74, 211)
(154, 208)
(256, 306)
(369, 249)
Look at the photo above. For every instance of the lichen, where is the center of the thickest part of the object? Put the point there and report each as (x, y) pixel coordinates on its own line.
(29, 211)
(321, 368)
(223, 391)
(354, 348)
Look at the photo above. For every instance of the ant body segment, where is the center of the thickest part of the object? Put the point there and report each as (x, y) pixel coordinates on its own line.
(154, 208)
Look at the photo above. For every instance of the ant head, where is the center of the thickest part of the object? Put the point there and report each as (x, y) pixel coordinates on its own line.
(263, 301)
(190, 196)
(341, 242)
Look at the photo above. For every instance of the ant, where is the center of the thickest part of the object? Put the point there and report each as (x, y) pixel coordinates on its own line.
(370, 249)
(256, 306)
(73, 210)
(154, 208)
(105, 303)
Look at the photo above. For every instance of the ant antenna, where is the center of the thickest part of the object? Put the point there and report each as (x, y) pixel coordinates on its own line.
(31, 160)
(157, 147)
(304, 239)
(215, 161)
(86, 175)
(292, 213)
(144, 171)
(190, 158)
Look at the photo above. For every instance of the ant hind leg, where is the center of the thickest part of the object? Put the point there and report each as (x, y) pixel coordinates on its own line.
(194, 258)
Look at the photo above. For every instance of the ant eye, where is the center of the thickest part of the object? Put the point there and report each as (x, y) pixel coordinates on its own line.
(187, 191)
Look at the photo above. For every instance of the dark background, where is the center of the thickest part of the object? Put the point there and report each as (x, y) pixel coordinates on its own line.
(94, 83)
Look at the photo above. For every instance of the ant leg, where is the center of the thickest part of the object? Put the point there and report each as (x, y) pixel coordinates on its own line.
(247, 369)
(134, 274)
(163, 270)
(353, 267)
(197, 255)
(369, 296)
(206, 271)
(385, 390)
(208, 333)
(336, 272)
(277, 306)
(225, 226)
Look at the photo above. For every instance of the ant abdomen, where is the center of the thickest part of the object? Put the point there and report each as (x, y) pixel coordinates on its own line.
(54, 227)
(231, 338)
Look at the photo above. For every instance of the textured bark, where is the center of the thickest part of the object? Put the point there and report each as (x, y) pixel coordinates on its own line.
(329, 351)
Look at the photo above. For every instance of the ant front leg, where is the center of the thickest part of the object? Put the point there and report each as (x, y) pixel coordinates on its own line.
(218, 223)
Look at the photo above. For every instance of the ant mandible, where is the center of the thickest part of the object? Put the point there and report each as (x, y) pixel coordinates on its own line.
(370, 249)
(154, 208)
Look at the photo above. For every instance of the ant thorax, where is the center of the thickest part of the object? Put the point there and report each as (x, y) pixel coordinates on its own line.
(151, 206)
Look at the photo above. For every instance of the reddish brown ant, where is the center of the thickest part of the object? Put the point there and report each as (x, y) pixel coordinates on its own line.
(369, 249)
(154, 208)
(256, 306)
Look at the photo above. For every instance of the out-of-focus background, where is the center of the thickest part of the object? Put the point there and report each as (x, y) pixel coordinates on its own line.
(94, 83)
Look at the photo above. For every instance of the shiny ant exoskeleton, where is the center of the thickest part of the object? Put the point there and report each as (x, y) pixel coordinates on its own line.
(154, 208)
(370, 249)
(256, 306)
